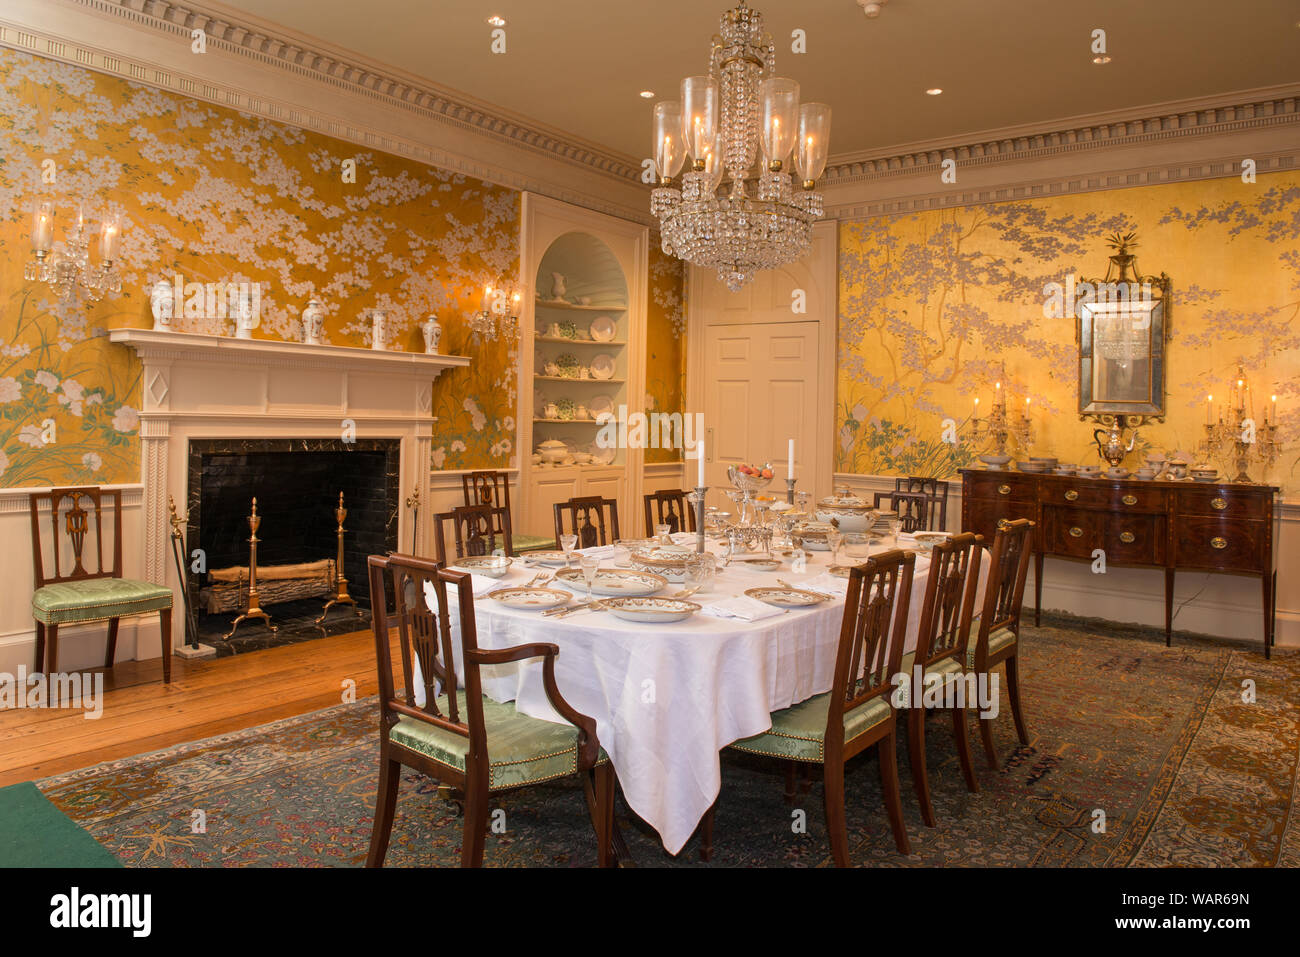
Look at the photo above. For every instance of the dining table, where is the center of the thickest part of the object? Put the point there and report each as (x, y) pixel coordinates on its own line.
(667, 698)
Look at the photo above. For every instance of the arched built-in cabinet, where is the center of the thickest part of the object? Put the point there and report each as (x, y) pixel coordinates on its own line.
(582, 351)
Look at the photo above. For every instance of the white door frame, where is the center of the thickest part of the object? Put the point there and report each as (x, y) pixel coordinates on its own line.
(819, 272)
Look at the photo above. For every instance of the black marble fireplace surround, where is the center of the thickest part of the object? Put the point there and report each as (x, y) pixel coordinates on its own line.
(297, 484)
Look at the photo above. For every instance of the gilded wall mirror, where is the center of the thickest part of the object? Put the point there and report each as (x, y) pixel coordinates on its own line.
(1122, 322)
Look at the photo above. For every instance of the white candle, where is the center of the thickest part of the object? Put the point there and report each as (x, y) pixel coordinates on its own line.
(42, 228)
(789, 473)
(699, 451)
(109, 238)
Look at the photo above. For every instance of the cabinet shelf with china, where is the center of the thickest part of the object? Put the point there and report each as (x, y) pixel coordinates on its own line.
(583, 349)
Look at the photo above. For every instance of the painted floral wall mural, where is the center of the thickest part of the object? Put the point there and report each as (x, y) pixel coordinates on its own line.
(216, 196)
(936, 307)
(665, 373)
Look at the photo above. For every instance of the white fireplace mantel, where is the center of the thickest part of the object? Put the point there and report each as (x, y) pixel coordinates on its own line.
(274, 352)
(212, 387)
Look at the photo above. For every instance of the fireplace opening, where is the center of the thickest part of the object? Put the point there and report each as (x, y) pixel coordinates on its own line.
(296, 483)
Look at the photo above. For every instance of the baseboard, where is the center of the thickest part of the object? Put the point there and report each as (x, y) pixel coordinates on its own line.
(83, 645)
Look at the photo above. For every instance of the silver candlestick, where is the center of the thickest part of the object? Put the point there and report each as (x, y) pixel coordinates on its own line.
(789, 490)
(700, 492)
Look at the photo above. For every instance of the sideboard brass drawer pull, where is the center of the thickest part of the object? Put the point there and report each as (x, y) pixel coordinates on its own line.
(1218, 542)
(1219, 504)
(1004, 489)
(1076, 532)
(1129, 500)
(1071, 495)
(1128, 538)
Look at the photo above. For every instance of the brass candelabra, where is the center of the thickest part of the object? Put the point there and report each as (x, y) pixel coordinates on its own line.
(1000, 428)
(1238, 438)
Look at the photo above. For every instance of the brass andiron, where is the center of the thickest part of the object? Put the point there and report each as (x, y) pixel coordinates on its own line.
(341, 596)
(254, 609)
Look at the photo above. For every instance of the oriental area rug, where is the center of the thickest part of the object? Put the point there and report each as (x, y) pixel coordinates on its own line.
(1140, 756)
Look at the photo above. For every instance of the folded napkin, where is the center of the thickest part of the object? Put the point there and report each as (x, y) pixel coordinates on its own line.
(683, 538)
(825, 584)
(743, 607)
(482, 584)
(596, 551)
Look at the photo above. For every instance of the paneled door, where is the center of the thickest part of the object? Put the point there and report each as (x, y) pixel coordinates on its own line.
(761, 391)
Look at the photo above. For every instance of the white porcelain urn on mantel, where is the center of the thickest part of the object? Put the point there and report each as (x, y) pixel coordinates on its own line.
(378, 330)
(432, 330)
(162, 303)
(313, 322)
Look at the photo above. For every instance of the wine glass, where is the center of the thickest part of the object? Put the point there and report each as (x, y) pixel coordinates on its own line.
(700, 569)
(833, 539)
(590, 565)
(895, 524)
(568, 543)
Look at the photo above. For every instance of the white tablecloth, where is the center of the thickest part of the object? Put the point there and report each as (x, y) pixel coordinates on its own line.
(667, 699)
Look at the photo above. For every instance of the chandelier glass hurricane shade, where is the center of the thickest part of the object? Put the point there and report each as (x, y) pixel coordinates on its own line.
(742, 121)
(71, 267)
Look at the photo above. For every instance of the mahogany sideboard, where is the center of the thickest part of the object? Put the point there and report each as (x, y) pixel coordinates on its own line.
(1192, 526)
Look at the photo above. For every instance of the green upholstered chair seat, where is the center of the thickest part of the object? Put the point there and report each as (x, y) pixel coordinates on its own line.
(798, 732)
(521, 750)
(531, 543)
(947, 666)
(95, 599)
(999, 638)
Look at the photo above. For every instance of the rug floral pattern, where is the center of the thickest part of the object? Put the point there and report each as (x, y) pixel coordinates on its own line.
(1158, 739)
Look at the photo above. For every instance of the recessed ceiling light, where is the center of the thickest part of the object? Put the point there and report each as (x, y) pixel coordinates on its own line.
(933, 91)
(496, 21)
(647, 94)
(1101, 59)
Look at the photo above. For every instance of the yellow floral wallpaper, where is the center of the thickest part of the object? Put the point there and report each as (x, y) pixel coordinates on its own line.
(933, 305)
(216, 196)
(665, 371)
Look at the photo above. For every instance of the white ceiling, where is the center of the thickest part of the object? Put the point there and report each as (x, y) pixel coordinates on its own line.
(578, 65)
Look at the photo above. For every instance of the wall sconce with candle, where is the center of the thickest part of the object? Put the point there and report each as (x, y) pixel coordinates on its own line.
(65, 270)
(498, 312)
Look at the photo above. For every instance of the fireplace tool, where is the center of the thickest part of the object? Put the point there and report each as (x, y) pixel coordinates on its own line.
(178, 552)
(341, 596)
(254, 609)
(413, 503)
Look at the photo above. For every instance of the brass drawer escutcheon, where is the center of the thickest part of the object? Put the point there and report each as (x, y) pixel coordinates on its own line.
(1128, 538)
(1004, 489)
(1071, 495)
(1129, 500)
(1219, 504)
(1218, 542)
(1076, 532)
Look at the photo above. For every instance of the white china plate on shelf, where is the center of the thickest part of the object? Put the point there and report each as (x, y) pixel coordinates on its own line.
(602, 366)
(603, 329)
(531, 599)
(546, 558)
(786, 597)
(603, 456)
(600, 404)
(651, 611)
(614, 582)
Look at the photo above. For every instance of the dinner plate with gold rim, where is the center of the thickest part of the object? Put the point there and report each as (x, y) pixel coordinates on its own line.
(786, 597)
(843, 571)
(650, 610)
(546, 558)
(760, 564)
(531, 599)
(614, 582)
(494, 566)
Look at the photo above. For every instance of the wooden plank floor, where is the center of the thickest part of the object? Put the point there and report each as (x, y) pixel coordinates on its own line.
(205, 698)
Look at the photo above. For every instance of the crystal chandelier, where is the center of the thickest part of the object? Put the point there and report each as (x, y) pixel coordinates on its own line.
(723, 120)
(65, 270)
